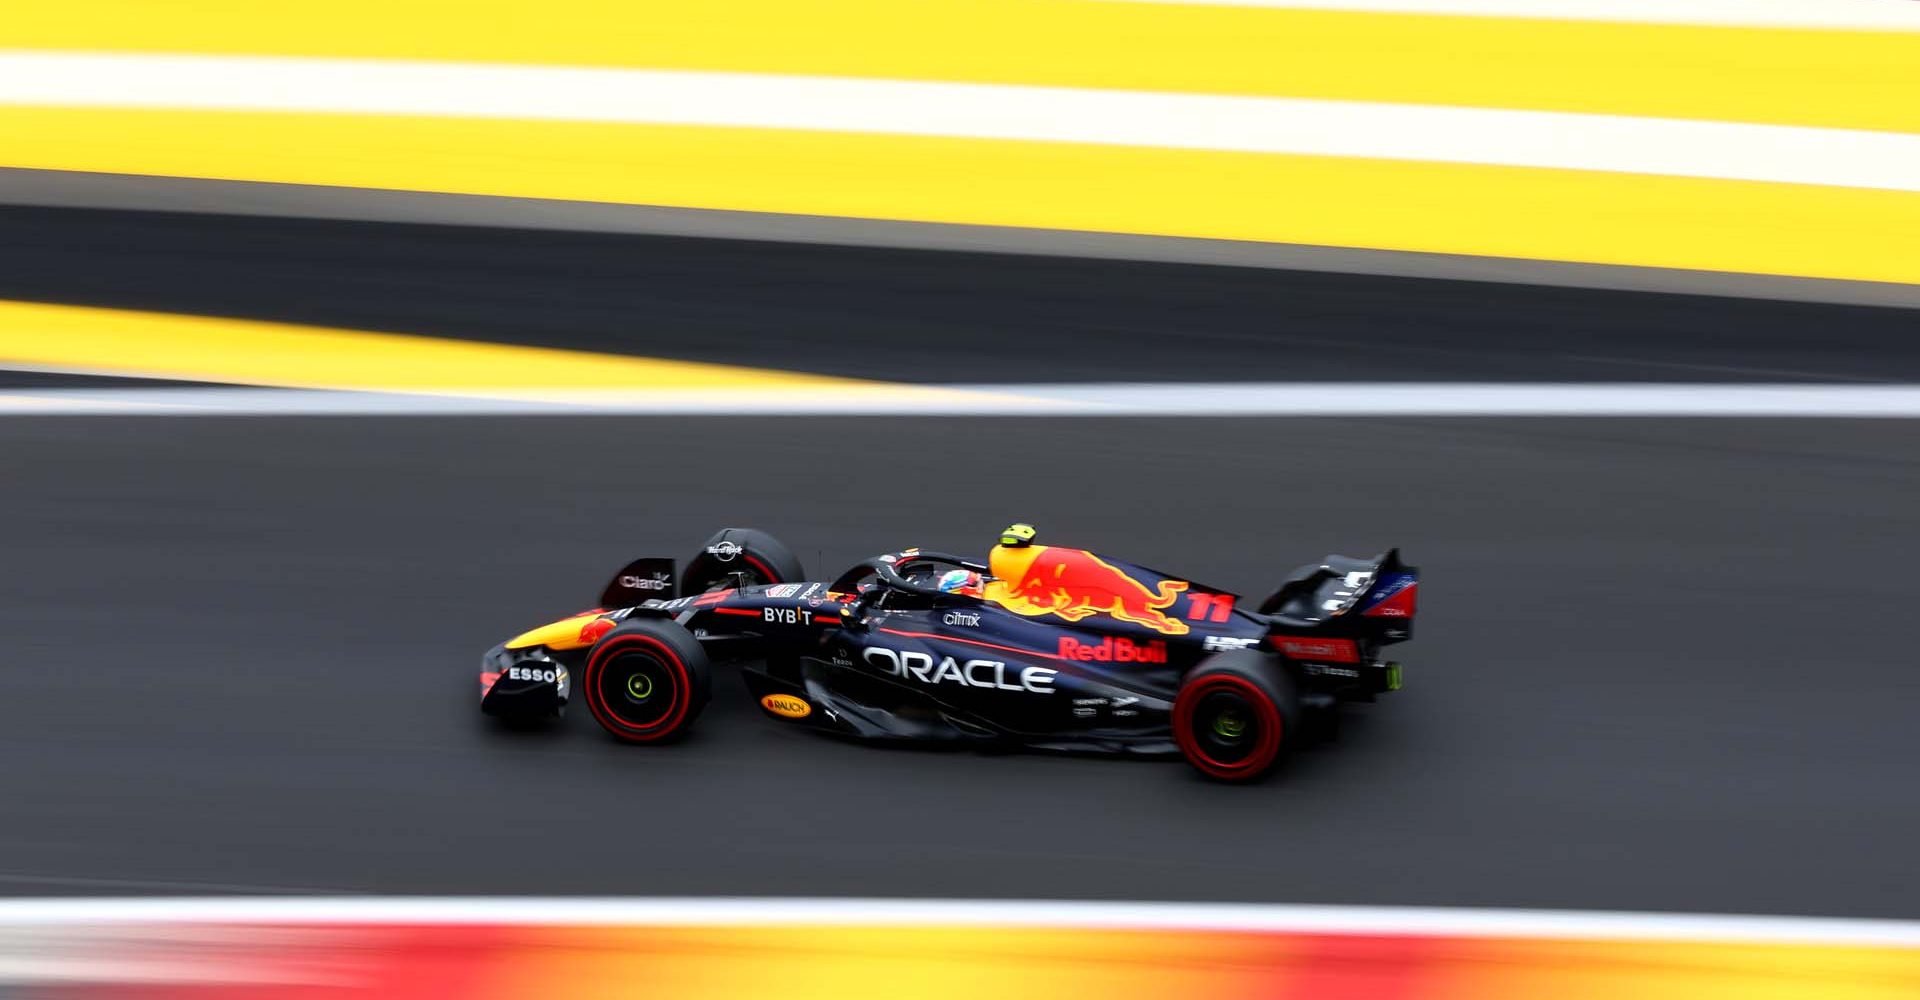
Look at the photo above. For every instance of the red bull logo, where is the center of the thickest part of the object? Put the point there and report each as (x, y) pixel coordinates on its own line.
(1074, 584)
(1112, 650)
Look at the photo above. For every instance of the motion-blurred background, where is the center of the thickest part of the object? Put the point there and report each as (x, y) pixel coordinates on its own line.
(340, 339)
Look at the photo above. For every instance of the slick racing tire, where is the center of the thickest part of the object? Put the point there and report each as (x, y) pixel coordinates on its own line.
(755, 556)
(1234, 714)
(646, 681)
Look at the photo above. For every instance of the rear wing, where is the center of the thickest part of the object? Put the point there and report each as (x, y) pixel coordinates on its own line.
(1392, 591)
(1377, 595)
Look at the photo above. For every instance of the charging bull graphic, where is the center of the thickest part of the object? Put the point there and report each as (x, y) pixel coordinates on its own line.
(1074, 584)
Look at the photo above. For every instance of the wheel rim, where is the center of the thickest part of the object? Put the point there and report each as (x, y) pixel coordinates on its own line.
(1227, 727)
(638, 687)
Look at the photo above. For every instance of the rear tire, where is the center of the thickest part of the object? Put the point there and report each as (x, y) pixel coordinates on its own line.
(646, 681)
(754, 555)
(1235, 714)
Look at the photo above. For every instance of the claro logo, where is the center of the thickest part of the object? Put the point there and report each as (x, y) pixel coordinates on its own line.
(971, 673)
(786, 706)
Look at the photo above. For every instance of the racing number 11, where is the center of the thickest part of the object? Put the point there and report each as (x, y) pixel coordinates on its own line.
(1209, 607)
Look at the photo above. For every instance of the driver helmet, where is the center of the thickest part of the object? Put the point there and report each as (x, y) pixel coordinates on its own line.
(962, 581)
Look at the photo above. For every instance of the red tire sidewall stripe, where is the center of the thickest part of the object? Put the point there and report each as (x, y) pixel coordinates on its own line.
(764, 569)
(683, 693)
(1188, 701)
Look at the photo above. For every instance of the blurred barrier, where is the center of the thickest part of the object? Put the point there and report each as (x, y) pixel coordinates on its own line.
(36, 335)
(1787, 148)
(396, 374)
(500, 949)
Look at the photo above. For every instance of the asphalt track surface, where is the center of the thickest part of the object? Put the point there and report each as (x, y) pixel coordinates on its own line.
(1660, 665)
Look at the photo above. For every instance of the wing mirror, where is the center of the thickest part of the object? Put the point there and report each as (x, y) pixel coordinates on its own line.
(853, 614)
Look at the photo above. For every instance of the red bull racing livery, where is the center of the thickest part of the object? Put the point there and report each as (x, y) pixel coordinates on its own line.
(1040, 646)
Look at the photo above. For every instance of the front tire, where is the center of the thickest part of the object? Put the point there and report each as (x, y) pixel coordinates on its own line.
(745, 554)
(1234, 715)
(646, 681)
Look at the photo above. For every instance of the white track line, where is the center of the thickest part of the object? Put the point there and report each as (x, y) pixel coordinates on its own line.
(1860, 15)
(1360, 399)
(1779, 153)
(604, 911)
(1552, 399)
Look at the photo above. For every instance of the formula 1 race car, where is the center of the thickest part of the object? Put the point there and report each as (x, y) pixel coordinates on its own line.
(1040, 647)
